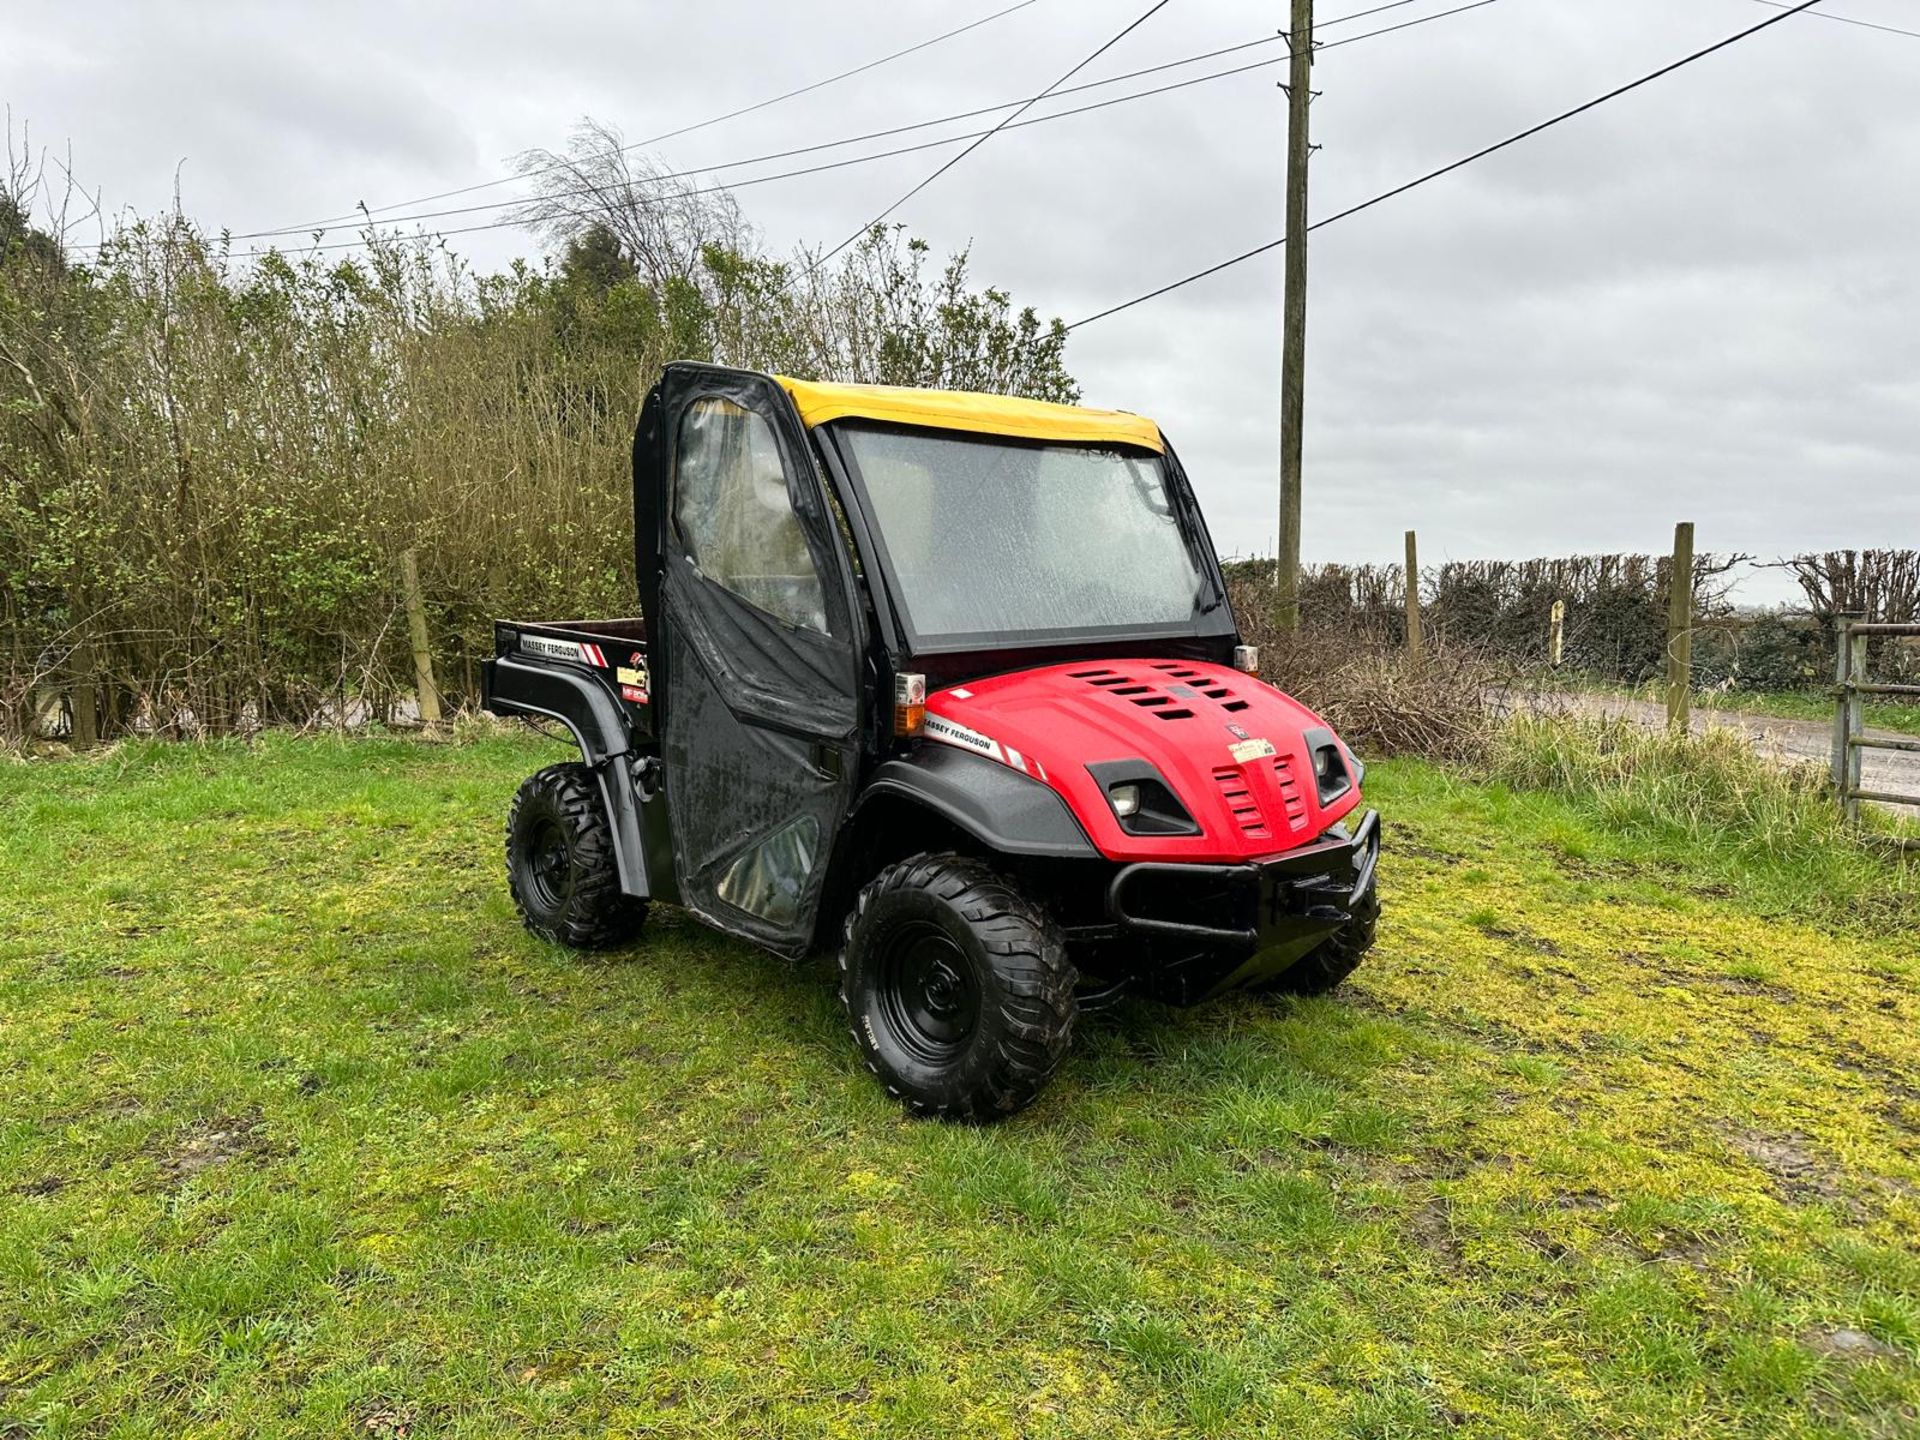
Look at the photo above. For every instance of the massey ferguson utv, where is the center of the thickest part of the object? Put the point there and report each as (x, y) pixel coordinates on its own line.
(953, 677)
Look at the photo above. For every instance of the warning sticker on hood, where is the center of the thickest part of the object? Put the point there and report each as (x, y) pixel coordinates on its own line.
(1245, 750)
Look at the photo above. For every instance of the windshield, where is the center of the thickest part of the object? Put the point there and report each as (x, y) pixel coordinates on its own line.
(989, 537)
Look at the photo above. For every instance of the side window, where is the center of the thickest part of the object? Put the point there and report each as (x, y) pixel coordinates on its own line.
(731, 512)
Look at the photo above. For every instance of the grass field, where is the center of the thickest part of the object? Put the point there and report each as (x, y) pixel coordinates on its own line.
(301, 1134)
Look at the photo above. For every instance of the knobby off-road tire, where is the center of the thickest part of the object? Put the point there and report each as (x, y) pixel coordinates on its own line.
(1334, 959)
(957, 987)
(560, 862)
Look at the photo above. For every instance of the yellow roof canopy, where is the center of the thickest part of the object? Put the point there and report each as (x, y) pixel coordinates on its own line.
(819, 402)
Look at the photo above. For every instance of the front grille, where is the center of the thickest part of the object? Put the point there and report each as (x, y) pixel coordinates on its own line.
(1290, 792)
(1246, 812)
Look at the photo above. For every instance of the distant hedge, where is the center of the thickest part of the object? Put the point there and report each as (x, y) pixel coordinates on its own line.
(1616, 612)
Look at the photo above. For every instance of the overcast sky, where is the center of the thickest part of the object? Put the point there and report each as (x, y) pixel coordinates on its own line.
(1701, 301)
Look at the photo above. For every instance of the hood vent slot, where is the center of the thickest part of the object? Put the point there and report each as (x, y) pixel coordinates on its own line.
(1204, 684)
(1160, 706)
(1246, 811)
(1290, 793)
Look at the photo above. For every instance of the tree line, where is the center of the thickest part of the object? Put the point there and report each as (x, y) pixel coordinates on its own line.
(209, 465)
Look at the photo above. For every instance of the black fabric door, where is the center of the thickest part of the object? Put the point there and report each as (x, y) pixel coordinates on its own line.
(759, 699)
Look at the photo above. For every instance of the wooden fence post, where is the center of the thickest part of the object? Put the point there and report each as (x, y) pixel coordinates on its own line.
(1680, 628)
(427, 692)
(1416, 645)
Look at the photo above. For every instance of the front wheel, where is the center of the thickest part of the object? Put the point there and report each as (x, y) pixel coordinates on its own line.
(560, 862)
(958, 988)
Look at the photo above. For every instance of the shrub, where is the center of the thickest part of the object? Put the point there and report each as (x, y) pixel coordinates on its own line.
(1366, 689)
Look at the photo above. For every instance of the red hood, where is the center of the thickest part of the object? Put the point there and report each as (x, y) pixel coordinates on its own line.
(1199, 725)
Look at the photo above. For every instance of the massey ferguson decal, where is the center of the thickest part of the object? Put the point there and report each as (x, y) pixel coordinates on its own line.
(576, 650)
(951, 732)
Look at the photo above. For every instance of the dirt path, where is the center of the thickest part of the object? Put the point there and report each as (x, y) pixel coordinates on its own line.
(1894, 771)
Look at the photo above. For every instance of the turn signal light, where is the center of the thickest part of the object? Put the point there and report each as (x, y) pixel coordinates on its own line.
(909, 705)
(1247, 658)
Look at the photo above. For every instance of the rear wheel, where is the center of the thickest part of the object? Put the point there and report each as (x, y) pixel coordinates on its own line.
(560, 862)
(1333, 959)
(957, 986)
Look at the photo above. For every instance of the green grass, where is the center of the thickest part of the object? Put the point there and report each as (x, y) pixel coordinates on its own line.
(1771, 831)
(301, 1134)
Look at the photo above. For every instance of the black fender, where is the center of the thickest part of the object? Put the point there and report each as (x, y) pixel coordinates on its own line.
(592, 713)
(1007, 812)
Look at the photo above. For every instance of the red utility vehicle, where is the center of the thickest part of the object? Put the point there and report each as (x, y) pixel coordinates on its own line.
(955, 679)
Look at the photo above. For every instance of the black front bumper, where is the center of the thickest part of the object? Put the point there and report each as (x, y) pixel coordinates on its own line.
(1225, 926)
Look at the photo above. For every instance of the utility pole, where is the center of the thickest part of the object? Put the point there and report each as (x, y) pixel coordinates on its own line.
(1293, 353)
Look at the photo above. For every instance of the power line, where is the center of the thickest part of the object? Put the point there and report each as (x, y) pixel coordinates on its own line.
(1848, 20)
(854, 159)
(868, 135)
(1386, 29)
(1456, 165)
(683, 130)
(926, 145)
(954, 160)
(817, 85)
(884, 133)
(588, 189)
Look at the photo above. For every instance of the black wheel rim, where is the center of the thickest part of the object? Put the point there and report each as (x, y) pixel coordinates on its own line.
(927, 993)
(547, 864)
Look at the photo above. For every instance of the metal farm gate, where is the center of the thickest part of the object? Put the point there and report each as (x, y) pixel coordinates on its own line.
(1851, 686)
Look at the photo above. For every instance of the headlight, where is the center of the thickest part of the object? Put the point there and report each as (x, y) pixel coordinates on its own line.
(1331, 776)
(1140, 798)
